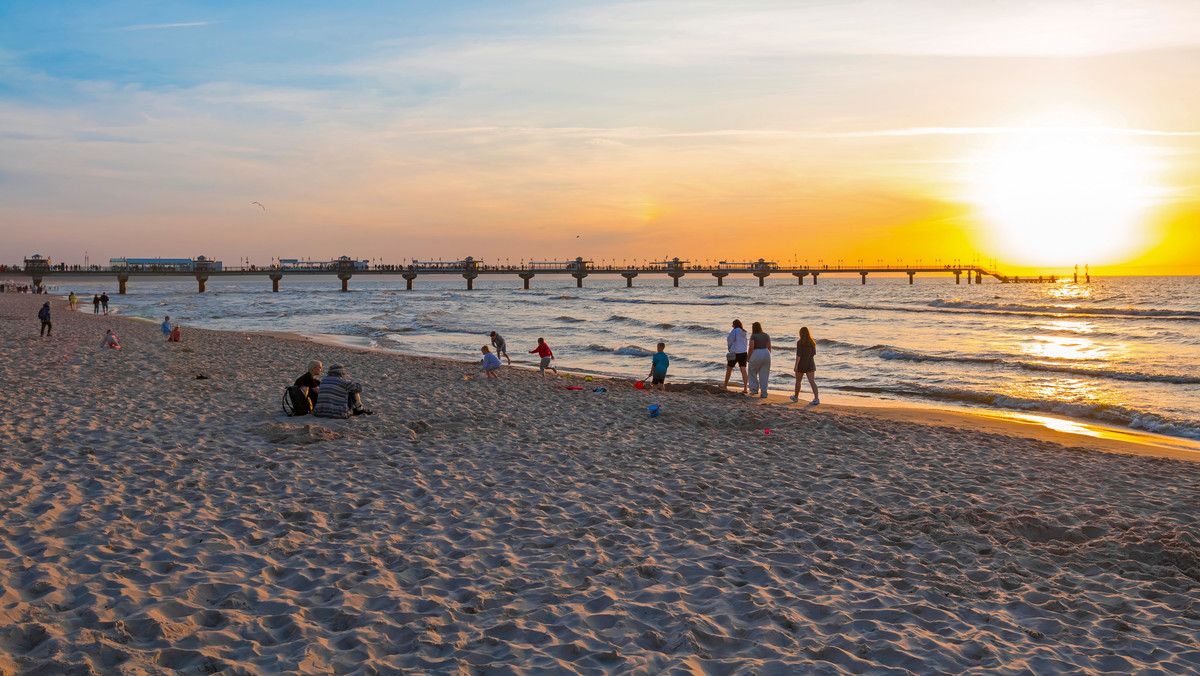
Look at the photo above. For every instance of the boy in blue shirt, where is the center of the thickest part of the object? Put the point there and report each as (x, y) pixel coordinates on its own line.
(658, 368)
(166, 328)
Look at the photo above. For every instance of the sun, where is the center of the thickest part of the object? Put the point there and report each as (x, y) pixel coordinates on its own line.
(1060, 197)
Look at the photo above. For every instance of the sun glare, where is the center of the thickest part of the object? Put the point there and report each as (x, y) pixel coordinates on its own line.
(1060, 198)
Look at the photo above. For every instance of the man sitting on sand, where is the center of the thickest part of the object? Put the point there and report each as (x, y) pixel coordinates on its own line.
(339, 397)
(110, 340)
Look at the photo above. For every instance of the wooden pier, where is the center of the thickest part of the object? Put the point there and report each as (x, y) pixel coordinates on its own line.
(470, 270)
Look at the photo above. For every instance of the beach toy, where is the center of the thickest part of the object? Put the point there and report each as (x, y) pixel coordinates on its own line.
(588, 378)
(766, 431)
(655, 410)
(599, 389)
(574, 387)
(639, 385)
(566, 376)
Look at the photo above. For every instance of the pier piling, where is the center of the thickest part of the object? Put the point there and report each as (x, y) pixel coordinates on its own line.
(629, 278)
(525, 277)
(122, 280)
(275, 279)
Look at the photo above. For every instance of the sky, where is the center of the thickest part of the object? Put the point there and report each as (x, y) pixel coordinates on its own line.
(1029, 135)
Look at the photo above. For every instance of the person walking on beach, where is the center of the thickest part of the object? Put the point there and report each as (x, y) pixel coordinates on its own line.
(806, 364)
(543, 351)
(166, 328)
(44, 315)
(491, 363)
(339, 397)
(501, 347)
(104, 302)
(73, 300)
(95, 304)
(759, 361)
(736, 341)
(658, 368)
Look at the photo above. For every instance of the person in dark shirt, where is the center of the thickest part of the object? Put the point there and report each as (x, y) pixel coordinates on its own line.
(310, 383)
(104, 302)
(806, 365)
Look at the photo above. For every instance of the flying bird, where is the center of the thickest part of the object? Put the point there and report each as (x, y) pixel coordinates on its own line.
(260, 204)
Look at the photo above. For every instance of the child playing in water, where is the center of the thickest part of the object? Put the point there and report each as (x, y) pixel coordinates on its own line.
(491, 363)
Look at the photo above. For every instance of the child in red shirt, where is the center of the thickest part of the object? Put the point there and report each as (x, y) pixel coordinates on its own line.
(543, 351)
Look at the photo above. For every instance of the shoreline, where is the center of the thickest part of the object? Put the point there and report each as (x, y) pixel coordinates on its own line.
(1042, 427)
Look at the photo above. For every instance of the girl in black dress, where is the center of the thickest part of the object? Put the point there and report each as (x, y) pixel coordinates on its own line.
(806, 364)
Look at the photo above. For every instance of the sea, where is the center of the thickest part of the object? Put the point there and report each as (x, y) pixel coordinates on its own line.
(1118, 351)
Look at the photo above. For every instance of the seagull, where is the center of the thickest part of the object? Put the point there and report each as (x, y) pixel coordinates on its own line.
(260, 204)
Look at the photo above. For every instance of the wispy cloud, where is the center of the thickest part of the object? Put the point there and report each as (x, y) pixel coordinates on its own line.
(156, 26)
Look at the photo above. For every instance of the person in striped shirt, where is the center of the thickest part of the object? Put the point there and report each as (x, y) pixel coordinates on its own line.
(338, 396)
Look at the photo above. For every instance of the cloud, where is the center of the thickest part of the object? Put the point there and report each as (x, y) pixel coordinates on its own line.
(157, 26)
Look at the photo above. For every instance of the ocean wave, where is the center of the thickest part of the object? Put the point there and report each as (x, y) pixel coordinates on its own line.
(1106, 372)
(653, 301)
(629, 350)
(1105, 413)
(1019, 310)
(1064, 309)
(572, 320)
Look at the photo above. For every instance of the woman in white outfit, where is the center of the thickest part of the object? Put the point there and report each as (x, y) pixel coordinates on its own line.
(759, 360)
(736, 340)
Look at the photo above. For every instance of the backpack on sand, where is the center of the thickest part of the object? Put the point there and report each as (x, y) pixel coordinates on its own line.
(295, 401)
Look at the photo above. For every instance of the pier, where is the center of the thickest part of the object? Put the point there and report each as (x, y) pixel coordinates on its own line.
(345, 268)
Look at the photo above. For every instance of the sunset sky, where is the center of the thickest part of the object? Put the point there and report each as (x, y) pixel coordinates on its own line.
(1038, 134)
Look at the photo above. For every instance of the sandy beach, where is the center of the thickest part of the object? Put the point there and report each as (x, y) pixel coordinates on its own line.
(153, 522)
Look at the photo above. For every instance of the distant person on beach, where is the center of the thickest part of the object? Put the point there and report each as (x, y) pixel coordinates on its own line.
(44, 315)
(95, 304)
(736, 356)
(310, 383)
(491, 363)
(806, 364)
(543, 351)
(110, 340)
(658, 368)
(176, 336)
(73, 300)
(339, 397)
(166, 328)
(759, 361)
(501, 347)
(104, 302)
